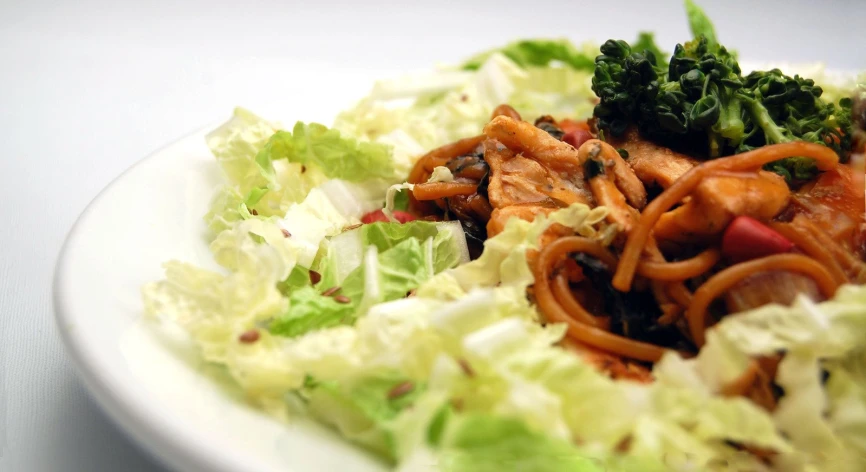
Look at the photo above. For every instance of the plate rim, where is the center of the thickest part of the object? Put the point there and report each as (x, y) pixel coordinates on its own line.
(159, 438)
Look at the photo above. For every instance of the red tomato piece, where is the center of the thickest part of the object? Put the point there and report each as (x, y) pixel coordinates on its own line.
(747, 238)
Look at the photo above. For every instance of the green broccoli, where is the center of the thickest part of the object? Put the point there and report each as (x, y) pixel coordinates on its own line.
(702, 102)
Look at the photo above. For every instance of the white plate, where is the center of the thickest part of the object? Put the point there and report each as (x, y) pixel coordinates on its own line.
(153, 386)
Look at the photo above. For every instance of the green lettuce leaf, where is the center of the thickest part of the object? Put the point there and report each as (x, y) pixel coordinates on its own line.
(346, 250)
(236, 144)
(256, 245)
(539, 53)
(384, 276)
(214, 308)
(309, 310)
(338, 157)
(227, 207)
(829, 329)
(325, 211)
(483, 442)
(401, 200)
(363, 409)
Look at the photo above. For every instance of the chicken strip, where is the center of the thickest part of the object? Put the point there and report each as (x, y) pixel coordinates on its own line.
(515, 179)
(834, 202)
(500, 216)
(718, 199)
(653, 164)
(537, 144)
(601, 163)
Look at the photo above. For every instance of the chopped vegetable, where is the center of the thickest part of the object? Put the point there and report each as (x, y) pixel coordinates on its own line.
(379, 216)
(537, 52)
(747, 238)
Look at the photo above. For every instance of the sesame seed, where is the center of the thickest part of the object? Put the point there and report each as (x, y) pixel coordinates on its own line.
(457, 404)
(401, 389)
(342, 299)
(254, 212)
(315, 277)
(467, 369)
(249, 337)
(331, 291)
(286, 233)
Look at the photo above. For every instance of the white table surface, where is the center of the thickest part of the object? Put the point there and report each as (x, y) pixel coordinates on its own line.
(87, 88)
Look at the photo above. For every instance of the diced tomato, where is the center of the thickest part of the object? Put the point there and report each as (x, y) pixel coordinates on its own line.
(747, 238)
(576, 137)
(379, 216)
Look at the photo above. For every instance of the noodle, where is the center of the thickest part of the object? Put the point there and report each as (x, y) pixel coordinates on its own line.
(437, 190)
(839, 254)
(680, 294)
(664, 292)
(724, 280)
(438, 156)
(562, 293)
(441, 156)
(801, 238)
(681, 270)
(581, 332)
(671, 313)
(825, 158)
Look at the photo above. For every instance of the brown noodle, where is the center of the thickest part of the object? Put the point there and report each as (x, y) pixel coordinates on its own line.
(724, 280)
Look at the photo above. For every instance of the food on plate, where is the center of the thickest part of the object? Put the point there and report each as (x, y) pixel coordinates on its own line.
(552, 259)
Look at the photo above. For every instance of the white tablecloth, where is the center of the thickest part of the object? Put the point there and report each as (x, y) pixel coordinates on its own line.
(89, 87)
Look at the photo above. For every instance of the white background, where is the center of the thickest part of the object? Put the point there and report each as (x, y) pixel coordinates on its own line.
(87, 88)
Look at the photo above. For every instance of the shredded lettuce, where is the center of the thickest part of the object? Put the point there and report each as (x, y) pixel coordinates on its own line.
(364, 409)
(540, 53)
(381, 277)
(449, 104)
(816, 338)
(236, 146)
(336, 156)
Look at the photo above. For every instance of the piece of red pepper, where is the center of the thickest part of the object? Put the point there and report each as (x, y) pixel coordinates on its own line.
(747, 238)
(379, 216)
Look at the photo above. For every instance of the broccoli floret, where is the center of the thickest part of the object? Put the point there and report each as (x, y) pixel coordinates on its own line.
(785, 109)
(621, 76)
(702, 102)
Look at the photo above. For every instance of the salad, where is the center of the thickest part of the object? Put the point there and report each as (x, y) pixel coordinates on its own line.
(662, 272)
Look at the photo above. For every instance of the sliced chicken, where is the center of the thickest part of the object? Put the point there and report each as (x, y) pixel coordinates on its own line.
(535, 143)
(515, 179)
(718, 199)
(608, 176)
(500, 217)
(653, 164)
(835, 203)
